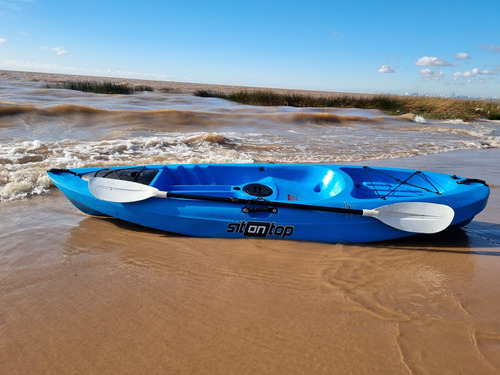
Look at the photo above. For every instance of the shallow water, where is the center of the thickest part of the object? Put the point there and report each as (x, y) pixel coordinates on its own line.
(88, 295)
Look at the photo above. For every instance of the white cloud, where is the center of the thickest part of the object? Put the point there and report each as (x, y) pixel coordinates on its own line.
(430, 75)
(486, 72)
(469, 73)
(462, 55)
(59, 50)
(385, 69)
(432, 61)
(3, 40)
(53, 68)
(472, 73)
(24, 65)
(337, 33)
(490, 47)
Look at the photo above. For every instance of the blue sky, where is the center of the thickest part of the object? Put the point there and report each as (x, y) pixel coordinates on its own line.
(438, 47)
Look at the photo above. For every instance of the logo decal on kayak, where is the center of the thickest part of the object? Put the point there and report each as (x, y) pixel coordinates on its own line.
(261, 229)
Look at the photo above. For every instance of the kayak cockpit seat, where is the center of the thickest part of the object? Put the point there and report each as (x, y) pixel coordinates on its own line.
(300, 183)
(324, 186)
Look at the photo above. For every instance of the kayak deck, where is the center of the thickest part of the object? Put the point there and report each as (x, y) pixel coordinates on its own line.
(302, 183)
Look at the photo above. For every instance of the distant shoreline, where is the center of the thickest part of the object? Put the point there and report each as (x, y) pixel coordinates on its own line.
(174, 87)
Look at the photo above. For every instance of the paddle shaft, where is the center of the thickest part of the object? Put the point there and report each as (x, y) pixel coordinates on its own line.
(261, 202)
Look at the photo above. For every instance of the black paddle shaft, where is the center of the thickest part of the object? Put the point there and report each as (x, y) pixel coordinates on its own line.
(263, 202)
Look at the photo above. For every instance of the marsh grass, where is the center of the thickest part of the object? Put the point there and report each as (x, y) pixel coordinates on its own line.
(99, 87)
(427, 107)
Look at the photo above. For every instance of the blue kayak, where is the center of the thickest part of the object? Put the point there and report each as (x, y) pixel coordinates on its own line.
(327, 203)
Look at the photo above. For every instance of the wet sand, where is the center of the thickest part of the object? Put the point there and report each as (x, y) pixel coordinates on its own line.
(83, 295)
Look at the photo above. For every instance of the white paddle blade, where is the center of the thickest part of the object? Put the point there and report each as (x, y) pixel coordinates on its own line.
(121, 191)
(415, 217)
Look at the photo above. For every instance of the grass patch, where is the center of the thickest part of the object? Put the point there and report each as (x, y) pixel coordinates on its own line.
(427, 107)
(98, 87)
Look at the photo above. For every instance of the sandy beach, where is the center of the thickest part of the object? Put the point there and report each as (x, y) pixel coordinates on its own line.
(86, 295)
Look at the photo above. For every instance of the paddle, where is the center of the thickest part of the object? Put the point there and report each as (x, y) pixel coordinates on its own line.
(416, 217)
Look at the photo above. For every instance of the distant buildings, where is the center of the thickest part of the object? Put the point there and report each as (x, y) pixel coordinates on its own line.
(453, 96)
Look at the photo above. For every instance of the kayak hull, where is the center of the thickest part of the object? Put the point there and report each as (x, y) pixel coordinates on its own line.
(353, 187)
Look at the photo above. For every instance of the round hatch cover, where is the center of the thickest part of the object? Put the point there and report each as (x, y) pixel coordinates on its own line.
(258, 190)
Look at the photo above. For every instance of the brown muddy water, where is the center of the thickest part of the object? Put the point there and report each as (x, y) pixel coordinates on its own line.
(85, 295)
